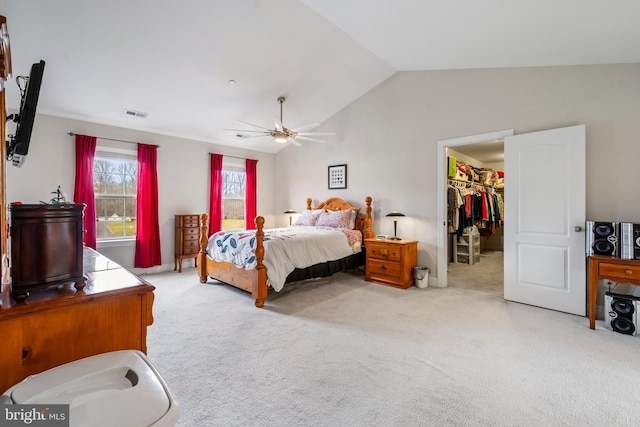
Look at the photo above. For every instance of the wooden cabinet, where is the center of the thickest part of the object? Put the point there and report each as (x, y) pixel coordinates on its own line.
(46, 246)
(186, 234)
(391, 262)
(59, 325)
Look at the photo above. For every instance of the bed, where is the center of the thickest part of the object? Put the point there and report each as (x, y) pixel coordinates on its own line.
(254, 278)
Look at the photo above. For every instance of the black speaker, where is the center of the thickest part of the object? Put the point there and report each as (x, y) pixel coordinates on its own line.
(603, 238)
(621, 313)
(629, 240)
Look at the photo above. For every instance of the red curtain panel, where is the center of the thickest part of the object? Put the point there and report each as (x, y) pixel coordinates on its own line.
(147, 228)
(250, 204)
(83, 189)
(215, 194)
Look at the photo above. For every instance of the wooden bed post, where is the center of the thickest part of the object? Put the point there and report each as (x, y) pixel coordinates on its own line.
(368, 233)
(202, 254)
(260, 289)
(309, 201)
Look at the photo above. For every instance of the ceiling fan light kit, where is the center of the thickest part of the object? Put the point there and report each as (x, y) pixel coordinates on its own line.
(281, 134)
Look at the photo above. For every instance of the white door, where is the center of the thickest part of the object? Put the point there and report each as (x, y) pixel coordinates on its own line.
(544, 201)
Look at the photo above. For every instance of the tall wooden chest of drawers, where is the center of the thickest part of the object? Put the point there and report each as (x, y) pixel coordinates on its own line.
(391, 262)
(187, 234)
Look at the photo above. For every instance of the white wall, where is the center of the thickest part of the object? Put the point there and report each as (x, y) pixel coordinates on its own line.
(183, 176)
(388, 138)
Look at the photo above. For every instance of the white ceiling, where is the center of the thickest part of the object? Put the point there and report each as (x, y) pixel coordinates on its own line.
(173, 59)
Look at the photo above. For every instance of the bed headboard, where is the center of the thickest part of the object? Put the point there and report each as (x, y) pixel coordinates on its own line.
(363, 222)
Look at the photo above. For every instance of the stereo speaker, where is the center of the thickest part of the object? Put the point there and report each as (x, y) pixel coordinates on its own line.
(629, 240)
(602, 238)
(621, 313)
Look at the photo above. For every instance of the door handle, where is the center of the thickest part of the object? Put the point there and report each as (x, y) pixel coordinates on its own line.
(577, 228)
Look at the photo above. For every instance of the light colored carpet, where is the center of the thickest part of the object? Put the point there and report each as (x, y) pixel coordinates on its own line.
(487, 275)
(345, 352)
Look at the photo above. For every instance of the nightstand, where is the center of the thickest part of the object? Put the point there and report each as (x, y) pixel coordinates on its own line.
(391, 262)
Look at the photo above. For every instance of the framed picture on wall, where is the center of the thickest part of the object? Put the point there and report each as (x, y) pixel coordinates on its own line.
(337, 177)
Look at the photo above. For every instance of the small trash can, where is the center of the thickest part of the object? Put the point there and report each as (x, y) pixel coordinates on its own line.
(421, 276)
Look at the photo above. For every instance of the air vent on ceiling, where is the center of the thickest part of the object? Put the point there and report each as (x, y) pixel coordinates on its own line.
(136, 113)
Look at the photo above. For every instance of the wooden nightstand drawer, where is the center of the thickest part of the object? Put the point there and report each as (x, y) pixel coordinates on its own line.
(382, 251)
(387, 268)
(619, 271)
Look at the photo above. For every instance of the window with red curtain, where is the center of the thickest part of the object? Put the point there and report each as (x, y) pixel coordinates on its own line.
(250, 194)
(215, 194)
(83, 188)
(147, 227)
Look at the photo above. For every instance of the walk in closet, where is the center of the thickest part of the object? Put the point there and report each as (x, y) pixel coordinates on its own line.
(475, 218)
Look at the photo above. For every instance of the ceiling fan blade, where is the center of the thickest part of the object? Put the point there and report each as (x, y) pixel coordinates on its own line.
(305, 127)
(279, 125)
(252, 136)
(246, 130)
(251, 124)
(306, 138)
(294, 142)
(317, 133)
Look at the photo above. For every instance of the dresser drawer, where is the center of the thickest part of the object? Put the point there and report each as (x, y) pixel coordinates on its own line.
(619, 271)
(188, 232)
(382, 251)
(187, 221)
(389, 269)
(190, 238)
(190, 248)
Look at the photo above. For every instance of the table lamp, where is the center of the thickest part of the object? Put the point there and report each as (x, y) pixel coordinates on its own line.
(395, 215)
(290, 212)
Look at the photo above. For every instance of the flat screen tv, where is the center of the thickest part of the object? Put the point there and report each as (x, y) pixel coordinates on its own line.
(18, 144)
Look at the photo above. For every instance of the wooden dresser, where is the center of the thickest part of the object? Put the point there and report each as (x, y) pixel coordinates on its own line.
(59, 325)
(186, 234)
(391, 262)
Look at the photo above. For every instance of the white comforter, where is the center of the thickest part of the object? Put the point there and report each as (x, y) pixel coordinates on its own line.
(285, 249)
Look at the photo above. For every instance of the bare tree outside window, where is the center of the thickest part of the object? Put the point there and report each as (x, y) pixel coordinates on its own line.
(233, 197)
(115, 181)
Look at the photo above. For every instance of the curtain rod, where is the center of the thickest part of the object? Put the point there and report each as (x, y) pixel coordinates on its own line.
(233, 157)
(112, 139)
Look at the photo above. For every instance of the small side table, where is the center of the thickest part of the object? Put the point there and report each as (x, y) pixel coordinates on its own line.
(615, 269)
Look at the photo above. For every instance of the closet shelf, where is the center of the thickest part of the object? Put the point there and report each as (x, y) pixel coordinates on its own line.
(467, 250)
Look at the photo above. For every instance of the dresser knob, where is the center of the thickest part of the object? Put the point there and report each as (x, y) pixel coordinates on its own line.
(382, 267)
(628, 271)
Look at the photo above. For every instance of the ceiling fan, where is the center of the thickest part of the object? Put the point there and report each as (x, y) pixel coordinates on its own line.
(281, 134)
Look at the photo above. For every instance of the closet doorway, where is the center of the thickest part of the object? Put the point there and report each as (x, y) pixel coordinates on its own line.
(471, 256)
(475, 213)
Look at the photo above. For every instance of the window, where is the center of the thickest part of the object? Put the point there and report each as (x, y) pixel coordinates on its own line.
(115, 180)
(233, 188)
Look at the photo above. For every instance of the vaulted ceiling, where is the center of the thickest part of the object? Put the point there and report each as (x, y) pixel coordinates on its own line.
(174, 59)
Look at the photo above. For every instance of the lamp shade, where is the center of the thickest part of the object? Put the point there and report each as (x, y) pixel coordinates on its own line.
(395, 215)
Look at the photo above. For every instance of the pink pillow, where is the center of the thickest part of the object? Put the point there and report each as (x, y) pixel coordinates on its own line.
(335, 219)
(307, 218)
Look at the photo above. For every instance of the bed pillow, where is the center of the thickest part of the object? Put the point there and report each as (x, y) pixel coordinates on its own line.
(335, 219)
(308, 217)
(352, 221)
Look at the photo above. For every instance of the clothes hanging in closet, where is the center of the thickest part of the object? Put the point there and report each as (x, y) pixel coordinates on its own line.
(467, 207)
